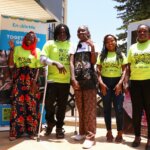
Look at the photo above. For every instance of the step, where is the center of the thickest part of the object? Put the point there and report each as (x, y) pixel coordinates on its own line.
(70, 121)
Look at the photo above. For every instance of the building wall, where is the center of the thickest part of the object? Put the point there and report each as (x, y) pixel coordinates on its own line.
(58, 8)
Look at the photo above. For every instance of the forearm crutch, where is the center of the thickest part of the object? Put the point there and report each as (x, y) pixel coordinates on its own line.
(75, 108)
(43, 104)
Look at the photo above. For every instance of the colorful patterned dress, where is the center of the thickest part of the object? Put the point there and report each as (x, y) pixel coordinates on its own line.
(25, 104)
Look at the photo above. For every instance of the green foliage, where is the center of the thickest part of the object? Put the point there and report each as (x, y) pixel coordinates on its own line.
(131, 11)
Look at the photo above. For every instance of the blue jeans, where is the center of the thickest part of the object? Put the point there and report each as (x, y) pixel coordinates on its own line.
(117, 101)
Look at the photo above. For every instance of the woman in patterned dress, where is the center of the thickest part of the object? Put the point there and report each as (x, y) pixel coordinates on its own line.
(25, 60)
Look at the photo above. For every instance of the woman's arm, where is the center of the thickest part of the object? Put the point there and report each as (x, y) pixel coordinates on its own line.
(126, 79)
(11, 54)
(119, 87)
(103, 86)
(74, 82)
(93, 53)
(47, 61)
(124, 69)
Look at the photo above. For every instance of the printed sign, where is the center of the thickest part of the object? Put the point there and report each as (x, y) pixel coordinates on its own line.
(5, 114)
(16, 28)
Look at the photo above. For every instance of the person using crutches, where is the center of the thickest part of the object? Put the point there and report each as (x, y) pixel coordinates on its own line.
(55, 55)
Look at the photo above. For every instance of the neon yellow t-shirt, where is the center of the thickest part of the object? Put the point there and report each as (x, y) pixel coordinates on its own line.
(139, 60)
(58, 51)
(110, 67)
(24, 58)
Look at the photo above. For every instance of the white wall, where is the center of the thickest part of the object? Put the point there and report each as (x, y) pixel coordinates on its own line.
(132, 27)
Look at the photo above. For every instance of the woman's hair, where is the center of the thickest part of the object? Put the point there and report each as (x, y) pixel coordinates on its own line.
(145, 26)
(85, 28)
(57, 30)
(88, 35)
(105, 50)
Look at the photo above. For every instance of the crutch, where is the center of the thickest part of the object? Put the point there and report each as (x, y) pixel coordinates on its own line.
(43, 104)
(75, 108)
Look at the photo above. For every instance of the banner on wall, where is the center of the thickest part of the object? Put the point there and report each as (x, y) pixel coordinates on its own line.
(16, 28)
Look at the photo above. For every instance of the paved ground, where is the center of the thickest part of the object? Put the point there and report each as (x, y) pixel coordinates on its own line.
(51, 143)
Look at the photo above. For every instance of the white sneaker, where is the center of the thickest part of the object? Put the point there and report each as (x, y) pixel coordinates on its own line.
(88, 144)
(79, 137)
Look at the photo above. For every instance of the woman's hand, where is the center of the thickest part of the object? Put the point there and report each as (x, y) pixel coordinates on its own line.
(60, 67)
(103, 88)
(90, 43)
(11, 44)
(75, 84)
(126, 87)
(33, 87)
(118, 89)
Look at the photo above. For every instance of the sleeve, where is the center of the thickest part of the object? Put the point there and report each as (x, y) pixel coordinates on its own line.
(98, 60)
(38, 63)
(72, 49)
(129, 56)
(124, 59)
(46, 49)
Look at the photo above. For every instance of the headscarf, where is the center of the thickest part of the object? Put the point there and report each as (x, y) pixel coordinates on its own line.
(31, 47)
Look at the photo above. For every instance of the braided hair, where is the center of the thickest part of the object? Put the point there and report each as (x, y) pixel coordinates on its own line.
(105, 50)
(57, 30)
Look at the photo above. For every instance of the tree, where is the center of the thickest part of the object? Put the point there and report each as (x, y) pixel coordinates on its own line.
(131, 11)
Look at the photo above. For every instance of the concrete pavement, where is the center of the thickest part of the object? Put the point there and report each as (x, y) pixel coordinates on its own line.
(51, 143)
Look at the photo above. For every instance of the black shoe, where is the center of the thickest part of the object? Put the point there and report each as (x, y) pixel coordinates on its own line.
(60, 133)
(136, 142)
(147, 147)
(49, 129)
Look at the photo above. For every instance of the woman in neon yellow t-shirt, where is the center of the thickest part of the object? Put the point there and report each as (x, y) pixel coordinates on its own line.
(25, 60)
(111, 68)
(139, 74)
(55, 55)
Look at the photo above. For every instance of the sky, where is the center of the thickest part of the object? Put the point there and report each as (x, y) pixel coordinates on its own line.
(99, 15)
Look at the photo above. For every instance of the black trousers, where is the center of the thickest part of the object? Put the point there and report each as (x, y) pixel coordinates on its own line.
(140, 97)
(55, 103)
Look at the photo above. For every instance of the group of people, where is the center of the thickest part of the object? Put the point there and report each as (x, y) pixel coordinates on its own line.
(86, 68)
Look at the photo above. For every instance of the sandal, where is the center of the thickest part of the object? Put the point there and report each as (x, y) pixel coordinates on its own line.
(118, 139)
(12, 138)
(109, 136)
(136, 141)
(60, 133)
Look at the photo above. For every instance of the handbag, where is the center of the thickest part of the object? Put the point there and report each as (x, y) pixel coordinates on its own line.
(89, 83)
(85, 73)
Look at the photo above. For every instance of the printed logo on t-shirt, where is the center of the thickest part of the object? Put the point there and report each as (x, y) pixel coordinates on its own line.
(24, 61)
(142, 58)
(63, 56)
